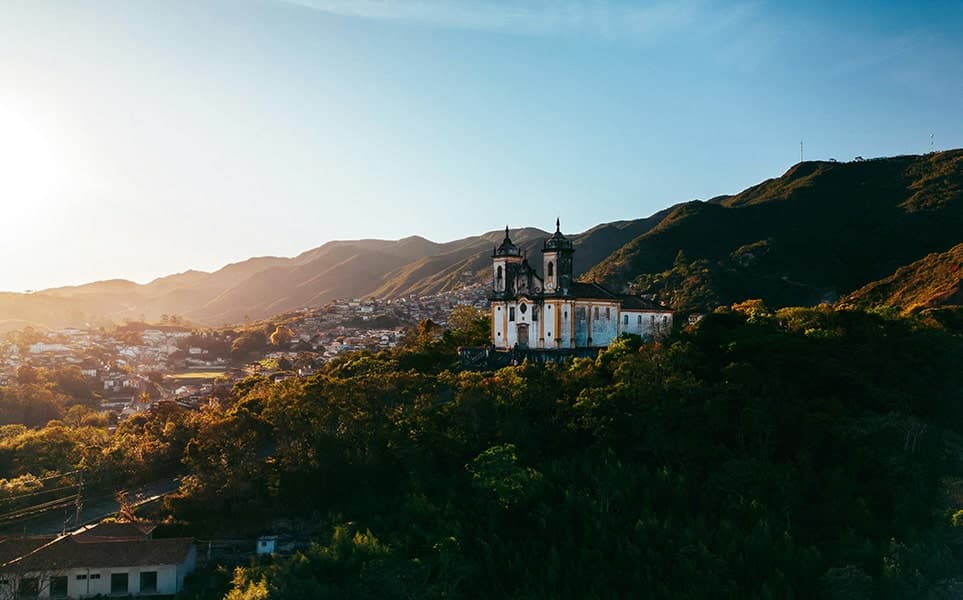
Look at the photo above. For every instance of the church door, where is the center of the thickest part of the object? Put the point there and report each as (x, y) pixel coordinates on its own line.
(523, 335)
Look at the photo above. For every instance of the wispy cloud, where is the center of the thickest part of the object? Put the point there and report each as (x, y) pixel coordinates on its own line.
(597, 18)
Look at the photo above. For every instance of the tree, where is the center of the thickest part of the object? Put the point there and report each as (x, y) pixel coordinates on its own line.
(282, 336)
(469, 326)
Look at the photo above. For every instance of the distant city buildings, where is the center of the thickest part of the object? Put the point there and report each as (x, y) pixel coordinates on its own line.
(172, 362)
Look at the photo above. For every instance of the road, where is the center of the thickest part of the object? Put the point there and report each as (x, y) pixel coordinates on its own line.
(94, 509)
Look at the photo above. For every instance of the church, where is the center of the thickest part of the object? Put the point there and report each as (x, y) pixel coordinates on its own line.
(553, 311)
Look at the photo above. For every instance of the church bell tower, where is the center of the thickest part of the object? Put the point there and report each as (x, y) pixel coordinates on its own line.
(557, 262)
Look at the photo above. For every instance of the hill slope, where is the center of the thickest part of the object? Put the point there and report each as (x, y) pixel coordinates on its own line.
(815, 234)
(933, 281)
(261, 287)
(821, 230)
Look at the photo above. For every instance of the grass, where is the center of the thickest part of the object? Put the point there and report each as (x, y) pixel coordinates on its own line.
(196, 375)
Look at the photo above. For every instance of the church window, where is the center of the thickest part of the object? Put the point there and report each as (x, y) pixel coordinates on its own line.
(511, 313)
(523, 307)
(498, 273)
(565, 314)
(551, 269)
(596, 313)
(608, 313)
(640, 319)
(625, 319)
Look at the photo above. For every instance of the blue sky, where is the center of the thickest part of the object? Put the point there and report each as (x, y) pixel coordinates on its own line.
(139, 139)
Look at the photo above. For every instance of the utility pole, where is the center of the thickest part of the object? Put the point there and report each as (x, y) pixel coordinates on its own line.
(79, 502)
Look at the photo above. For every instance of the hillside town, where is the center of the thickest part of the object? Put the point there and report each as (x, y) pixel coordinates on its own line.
(132, 366)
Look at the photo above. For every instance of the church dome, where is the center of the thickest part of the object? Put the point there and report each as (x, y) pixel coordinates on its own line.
(507, 248)
(557, 241)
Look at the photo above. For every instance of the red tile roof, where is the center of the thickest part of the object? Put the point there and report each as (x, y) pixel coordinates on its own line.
(78, 551)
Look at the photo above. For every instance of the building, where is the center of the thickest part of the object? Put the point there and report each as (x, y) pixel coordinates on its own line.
(553, 311)
(107, 559)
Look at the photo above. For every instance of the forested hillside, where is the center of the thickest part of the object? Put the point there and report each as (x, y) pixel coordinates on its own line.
(802, 453)
(933, 281)
(819, 232)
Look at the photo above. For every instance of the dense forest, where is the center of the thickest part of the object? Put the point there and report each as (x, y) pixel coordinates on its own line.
(806, 452)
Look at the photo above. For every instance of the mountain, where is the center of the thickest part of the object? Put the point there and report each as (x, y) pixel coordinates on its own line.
(261, 287)
(815, 234)
(820, 231)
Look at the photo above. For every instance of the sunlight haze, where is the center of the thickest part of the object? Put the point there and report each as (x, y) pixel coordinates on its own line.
(143, 139)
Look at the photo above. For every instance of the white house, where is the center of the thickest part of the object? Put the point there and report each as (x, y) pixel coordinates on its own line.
(108, 559)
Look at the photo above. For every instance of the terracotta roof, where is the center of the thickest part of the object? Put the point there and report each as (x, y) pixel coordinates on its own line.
(114, 530)
(78, 551)
(577, 289)
(12, 548)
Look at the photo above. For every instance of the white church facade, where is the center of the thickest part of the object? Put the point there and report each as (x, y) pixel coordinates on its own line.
(553, 311)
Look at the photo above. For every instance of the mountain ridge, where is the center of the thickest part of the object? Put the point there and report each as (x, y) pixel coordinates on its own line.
(818, 232)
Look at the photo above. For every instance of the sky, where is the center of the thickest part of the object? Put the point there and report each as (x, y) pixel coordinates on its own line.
(139, 139)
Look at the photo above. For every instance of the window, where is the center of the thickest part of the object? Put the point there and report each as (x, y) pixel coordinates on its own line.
(608, 313)
(511, 313)
(58, 586)
(81, 577)
(625, 319)
(498, 273)
(640, 319)
(29, 587)
(523, 308)
(148, 581)
(118, 583)
(596, 313)
(565, 315)
(95, 575)
(551, 269)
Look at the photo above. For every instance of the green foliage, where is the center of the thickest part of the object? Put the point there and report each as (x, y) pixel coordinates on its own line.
(249, 342)
(686, 286)
(496, 472)
(795, 453)
(469, 326)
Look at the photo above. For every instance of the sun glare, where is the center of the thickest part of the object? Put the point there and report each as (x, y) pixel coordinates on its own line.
(28, 166)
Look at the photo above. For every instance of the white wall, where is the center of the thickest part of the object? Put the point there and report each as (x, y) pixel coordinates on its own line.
(654, 323)
(168, 581)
